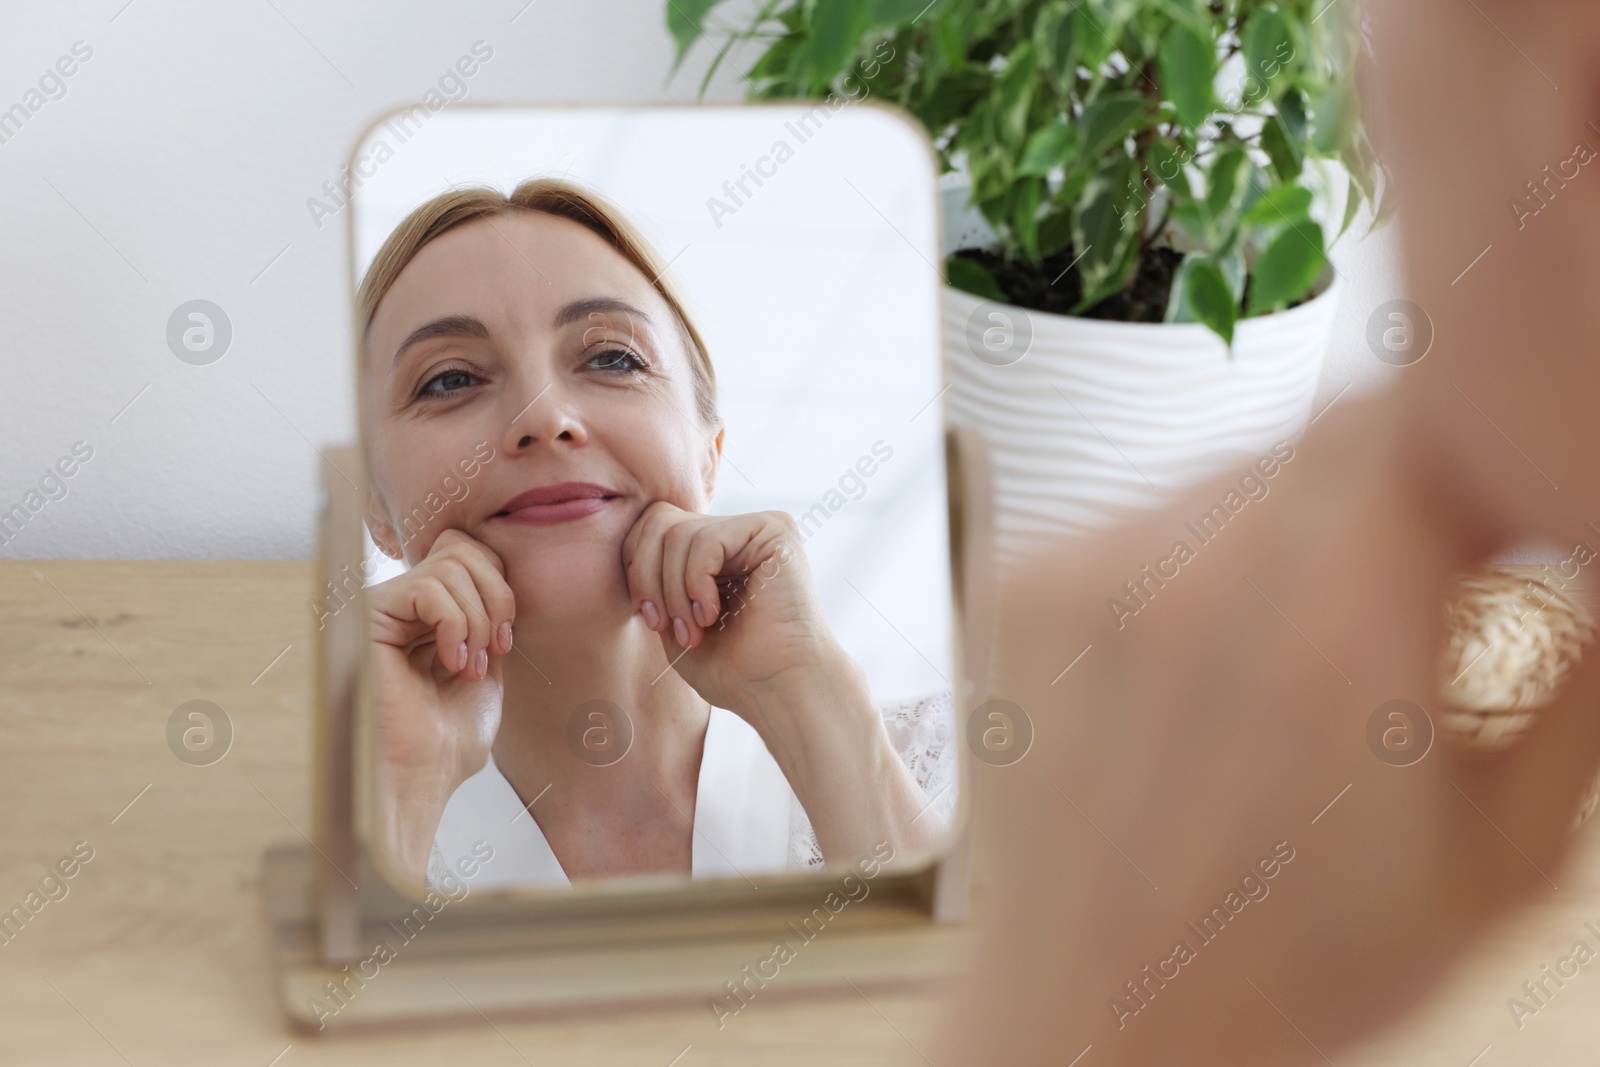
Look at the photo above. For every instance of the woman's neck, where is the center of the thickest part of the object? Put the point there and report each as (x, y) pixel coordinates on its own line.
(603, 741)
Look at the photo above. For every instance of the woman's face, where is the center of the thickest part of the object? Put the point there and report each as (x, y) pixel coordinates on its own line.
(527, 385)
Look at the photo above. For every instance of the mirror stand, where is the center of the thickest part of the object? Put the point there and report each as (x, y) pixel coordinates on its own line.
(420, 967)
(353, 953)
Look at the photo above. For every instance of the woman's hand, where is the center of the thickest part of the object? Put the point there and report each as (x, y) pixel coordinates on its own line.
(741, 622)
(438, 632)
(1229, 720)
(736, 589)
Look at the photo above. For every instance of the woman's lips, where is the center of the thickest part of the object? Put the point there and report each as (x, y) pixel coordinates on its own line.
(556, 503)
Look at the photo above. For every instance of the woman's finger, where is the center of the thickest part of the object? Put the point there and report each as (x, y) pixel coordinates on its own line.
(488, 578)
(475, 574)
(454, 538)
(427, 600)
(710, 548)
(674, 561)
(641, 559)
(404, 614)
(455, 577)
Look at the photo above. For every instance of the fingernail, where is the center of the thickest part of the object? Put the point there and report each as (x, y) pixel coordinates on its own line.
(504, 633)
(699, 616)
(461, 657)
(680, 631)
(483, 663)
(652, 617)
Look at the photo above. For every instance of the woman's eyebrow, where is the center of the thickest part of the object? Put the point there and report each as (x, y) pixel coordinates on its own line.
(449, 326)
(579, 310)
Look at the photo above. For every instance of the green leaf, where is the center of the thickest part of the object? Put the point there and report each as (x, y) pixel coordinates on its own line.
(1229, 195)
(894, 12)
(1188, 68)
(1054, 40)
(1191, 217)
(1055, 232)
(1352, 205)
(1334, 118)
(1388, 204)
(990, 178)
(1106, 228)
(997, 209)
(792, 17)
(1178, 309)
(1292, 113)
(1267, 42)
(1287, 269)
(1164, 159)
(1049, 147)
(1359, 159)
(1107, 121)
(778, 60)
(1073, 183)
(1225, 183)
(955, 97)
(1025, 216)
(1257, 184)
(1095, 41)
(1285, 157)
(949, 41)
(1208, 298)
(837, 27)
(970, 276)
(1013, 93)
(1281, 205)
(686, 22)
(1234, 270)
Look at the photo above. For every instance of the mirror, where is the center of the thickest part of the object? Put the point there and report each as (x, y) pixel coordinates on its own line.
(659, 576)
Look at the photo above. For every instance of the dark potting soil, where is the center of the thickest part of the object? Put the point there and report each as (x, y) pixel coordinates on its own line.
(1054, 288)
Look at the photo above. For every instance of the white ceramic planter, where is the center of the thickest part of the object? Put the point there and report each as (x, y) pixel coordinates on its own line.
(1088, 421)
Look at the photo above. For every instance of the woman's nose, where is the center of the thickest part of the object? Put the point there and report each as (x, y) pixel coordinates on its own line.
(547, 417)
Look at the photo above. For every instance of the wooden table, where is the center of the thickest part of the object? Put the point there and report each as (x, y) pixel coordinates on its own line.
(158, 953)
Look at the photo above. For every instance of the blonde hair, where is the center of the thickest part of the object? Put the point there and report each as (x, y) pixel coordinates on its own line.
(550, 196)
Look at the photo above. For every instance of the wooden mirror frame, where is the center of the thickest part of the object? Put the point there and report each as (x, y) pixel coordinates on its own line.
(635, 943)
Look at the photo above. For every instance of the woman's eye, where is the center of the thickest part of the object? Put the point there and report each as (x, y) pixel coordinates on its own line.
(446, 383)
(617, 359)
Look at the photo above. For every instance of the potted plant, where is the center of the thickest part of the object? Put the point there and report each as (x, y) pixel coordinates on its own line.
(1140, 195)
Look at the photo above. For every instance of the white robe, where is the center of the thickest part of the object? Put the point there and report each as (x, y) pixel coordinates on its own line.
(747, 819)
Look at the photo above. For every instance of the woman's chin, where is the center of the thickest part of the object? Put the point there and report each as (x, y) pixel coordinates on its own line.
(571, 583)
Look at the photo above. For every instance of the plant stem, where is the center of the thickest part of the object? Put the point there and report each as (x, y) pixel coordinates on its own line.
(1161, 224)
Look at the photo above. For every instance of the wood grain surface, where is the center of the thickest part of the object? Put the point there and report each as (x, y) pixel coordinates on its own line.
(157, 955)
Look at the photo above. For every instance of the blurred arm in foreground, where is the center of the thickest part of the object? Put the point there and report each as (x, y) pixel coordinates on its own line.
(1220, 734)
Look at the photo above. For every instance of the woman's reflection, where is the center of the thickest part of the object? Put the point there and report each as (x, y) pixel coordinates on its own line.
(581, 667)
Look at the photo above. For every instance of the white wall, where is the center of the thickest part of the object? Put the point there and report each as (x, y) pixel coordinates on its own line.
(178, 166)
(1370, 267)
